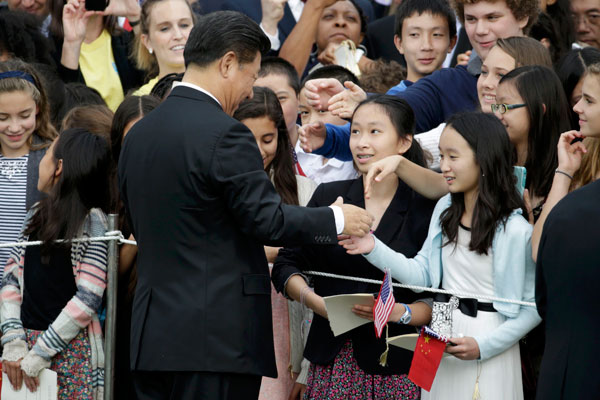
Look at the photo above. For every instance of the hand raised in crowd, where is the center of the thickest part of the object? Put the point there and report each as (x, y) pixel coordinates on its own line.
(319, 91)
(569, 153)
(366, 312)
(357, 245)
(75, 18)
(124, 8)
(327, 56)
(344, 103)
(380, 170)
(463, 58)
(466, 348)
(272, 13)
(312, 136)
(357, 221)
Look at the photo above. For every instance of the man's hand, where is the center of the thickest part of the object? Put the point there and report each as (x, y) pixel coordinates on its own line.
(319, 91)
(466, 348)
(312, 136)
(272, 13)
(12, 369)
(344, 103)
(357, 221)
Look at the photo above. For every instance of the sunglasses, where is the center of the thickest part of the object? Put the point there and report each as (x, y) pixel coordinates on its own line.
(503, 108)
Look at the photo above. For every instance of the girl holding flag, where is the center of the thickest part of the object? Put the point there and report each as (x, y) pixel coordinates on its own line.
(478, 242)
(347, 366)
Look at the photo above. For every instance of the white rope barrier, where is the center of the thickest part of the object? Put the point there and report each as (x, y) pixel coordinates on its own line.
(117, 235)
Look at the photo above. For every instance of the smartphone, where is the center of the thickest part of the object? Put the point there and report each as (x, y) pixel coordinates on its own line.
(96, 5)
(521, 174)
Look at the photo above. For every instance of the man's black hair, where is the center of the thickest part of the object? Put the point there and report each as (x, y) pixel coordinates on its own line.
(435, 7)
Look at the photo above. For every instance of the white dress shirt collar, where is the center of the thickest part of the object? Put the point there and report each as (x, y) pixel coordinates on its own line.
(196, 87)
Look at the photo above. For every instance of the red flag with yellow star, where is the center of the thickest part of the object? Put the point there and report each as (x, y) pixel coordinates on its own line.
(426, 360)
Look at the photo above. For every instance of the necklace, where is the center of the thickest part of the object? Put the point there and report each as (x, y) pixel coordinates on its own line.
(11, 167)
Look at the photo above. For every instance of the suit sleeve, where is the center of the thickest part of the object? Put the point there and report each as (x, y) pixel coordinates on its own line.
(236, 169)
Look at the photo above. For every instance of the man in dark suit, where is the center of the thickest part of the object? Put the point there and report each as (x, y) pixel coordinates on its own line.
(201, 208)
(567, 283)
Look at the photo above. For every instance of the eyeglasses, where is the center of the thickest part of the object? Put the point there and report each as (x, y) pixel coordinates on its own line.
(588, 19)
(503, 108)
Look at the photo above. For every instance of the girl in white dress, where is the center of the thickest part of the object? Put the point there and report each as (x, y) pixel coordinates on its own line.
(478, 242)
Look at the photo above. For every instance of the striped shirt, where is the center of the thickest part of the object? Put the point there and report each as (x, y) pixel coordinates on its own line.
(13, 193)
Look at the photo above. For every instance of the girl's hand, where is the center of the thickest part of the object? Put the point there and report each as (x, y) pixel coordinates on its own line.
(466, 348)
(381, 169)
(32, 382)
(297, 391)
(363, 311)
(75, 18)
(358, 245)
(569, 155)
(271, 253)
(12, 369)
(319, 91)
(123, 8)
(343, 104)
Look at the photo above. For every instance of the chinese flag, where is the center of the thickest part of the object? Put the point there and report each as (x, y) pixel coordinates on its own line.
(426, 360)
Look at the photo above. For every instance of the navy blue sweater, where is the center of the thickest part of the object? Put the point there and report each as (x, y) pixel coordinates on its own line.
(433, 99)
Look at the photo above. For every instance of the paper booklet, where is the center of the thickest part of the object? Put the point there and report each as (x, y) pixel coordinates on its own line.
(48, 389)
(339, 311)
(408, 342)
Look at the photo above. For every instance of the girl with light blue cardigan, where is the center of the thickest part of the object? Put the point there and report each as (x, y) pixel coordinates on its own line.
(478, 242)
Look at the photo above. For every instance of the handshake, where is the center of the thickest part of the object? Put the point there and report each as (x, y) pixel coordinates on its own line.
(357, 221)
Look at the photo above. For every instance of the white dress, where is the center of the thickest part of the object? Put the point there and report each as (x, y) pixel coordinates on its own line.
(499, 376)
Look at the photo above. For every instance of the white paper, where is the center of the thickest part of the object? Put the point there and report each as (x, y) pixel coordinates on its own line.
(47, 390)
(339, 311)
(408, 342)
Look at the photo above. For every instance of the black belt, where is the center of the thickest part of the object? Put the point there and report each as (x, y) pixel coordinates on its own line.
(466, 306)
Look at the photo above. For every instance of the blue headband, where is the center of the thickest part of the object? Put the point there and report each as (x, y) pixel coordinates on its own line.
(17, 74)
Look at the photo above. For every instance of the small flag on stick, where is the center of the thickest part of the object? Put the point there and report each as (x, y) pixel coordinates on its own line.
(426, 358)
(384, 304)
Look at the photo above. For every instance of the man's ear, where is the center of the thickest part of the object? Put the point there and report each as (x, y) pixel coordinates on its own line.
(452, 43)
(227, 63)
(523, 23)
(398, 44)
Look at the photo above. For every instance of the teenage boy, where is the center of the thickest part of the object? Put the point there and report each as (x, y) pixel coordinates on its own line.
(445, 92)
(425, 33)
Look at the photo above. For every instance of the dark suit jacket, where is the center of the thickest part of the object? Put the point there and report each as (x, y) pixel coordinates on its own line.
(253, 9)
(201, 208)
(403, 227)
(567, 283)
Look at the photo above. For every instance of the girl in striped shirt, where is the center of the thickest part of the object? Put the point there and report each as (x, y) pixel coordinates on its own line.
(50, 293)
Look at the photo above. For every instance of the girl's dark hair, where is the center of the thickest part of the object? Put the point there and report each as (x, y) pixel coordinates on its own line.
(131, 108)
(163, 87)
(83, 185)
(548, 112)
(20, 37)
(95, 119)
(265, 104)
(403, 120)
(560, 12)
(498, 195)
(547, 28)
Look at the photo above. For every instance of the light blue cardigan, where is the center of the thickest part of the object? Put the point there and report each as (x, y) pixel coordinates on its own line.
(513, 275)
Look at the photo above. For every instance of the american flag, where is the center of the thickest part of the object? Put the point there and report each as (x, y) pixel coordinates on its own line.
(384, 304)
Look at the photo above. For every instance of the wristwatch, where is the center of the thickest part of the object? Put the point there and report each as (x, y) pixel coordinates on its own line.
(407, 316)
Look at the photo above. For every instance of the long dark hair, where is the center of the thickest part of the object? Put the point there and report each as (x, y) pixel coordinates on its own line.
(83, 185)
(498, 195)
(264, 103)
(402, 118)
(548, 112)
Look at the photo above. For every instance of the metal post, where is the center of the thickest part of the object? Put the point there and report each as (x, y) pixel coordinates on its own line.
(111, 311)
